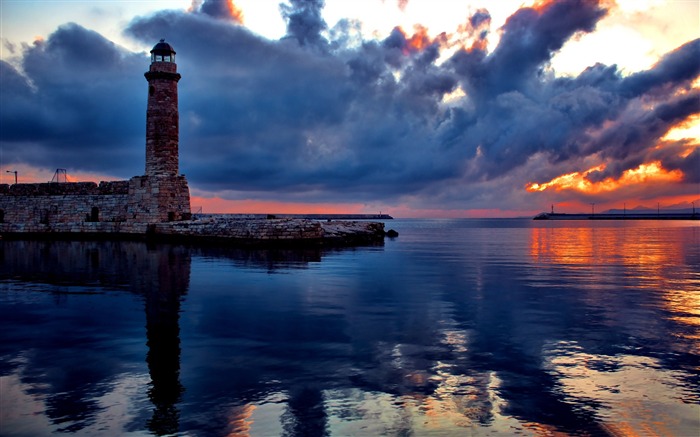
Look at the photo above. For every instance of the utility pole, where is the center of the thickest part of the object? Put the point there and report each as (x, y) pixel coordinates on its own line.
(15, 172)
(592, 208)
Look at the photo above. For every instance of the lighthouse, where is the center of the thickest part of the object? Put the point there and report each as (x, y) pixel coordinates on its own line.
(162, 194)
(162, 118)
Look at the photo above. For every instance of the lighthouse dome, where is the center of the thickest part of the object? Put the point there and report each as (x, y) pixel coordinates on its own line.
(163, 52)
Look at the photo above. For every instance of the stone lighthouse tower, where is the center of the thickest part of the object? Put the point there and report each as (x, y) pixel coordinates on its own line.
(162, 119)
(162, 193)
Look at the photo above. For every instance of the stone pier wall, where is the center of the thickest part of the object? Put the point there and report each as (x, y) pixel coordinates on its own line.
(242, 230)
(143, 199)
(53, 203)
(220, 230)
(270, 231)
(100, 230)
(157, 208)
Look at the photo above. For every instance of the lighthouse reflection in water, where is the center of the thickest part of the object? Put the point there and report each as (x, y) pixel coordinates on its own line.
(457, 327)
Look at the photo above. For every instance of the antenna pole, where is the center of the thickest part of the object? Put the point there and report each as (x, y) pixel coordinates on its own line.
(15, 172)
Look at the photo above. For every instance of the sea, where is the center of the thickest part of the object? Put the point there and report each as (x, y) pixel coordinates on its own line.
(468, 327)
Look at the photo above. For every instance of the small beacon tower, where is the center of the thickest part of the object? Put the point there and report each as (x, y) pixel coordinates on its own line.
(162, 193)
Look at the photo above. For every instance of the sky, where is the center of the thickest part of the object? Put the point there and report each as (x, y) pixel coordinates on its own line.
(414, 108)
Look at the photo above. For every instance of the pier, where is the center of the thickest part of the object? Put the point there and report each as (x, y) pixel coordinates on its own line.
(618, 216)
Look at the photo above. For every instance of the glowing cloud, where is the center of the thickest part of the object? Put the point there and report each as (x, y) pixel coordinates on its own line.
(652, 172)
(224, 9)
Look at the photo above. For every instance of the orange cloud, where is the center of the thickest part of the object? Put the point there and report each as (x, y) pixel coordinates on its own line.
(226, 9)
(577, 181)
(235, 12)
(421, 39)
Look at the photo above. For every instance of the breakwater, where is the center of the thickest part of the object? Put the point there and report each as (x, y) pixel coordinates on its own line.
(221, 229)
(618, 216)
(273, 231)
(302, 216)
(157, 208)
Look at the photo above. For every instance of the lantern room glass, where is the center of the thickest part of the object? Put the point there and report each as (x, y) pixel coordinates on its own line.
(163, 58)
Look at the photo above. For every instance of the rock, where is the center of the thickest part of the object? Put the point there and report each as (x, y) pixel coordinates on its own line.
(392, 233)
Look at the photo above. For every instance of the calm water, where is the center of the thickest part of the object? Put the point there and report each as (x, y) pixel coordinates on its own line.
(457, 327)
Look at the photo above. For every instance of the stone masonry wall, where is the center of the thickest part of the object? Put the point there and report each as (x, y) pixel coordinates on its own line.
(234, 230)
(64, 188)
(243, 230)
(162, 120)
(51, 203)
(155, 199)
(143, 199)
(106, 230)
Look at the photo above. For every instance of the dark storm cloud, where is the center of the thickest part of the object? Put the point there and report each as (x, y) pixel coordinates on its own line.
(679, 66)
(312, 117)
(17, 118)
(637, 134)
(285, 118)
(304, 21)
(75, 105)
(530, 38)
(520, 110)
(481, 17)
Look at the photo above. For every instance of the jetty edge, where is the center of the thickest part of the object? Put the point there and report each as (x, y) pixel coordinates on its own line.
(214, 229)
(270, 232)
(619, 216)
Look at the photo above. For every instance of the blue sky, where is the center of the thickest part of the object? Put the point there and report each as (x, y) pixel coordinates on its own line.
(415, 108)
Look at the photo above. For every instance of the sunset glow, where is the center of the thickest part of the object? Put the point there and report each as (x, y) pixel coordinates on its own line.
(652, 172)
(690, 128)
(250, 206)
(419, 40)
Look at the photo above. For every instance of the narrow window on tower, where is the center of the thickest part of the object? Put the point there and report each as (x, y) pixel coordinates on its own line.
(151, 90)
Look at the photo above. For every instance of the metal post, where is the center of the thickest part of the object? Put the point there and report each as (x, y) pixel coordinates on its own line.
(15, 172)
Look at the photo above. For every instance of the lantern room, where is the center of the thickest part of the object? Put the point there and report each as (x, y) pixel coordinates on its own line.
(163, 52)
